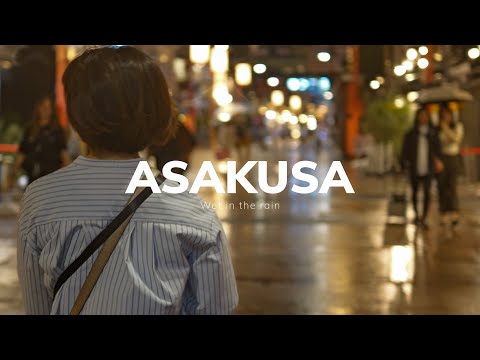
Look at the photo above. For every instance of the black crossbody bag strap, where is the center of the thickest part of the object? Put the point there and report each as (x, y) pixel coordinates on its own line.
(104, 235)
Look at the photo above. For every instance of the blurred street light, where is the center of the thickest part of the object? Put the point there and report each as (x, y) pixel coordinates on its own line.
(295, 102)
(437, 57)
(285, 116)
(399, 103)
(412, 96)
(311, 123)
(273, 81)
(293, 84)
(374, 84)
(180, 68)
(303, 118)
(71, 52)
(259, 68)
(423, 50)
(422, 63)
(328, 95)
(271, 114)
(295, 134)
(380, 80)
(262, 110)
(412, 54)
(277, 97)
(324, 83)
(304, 84)
(473, 53)
(224, 117)
(219, 59)
(243, 74)
(221, 95)
(323, 56)
(199, 54)
(409, 77)
(408, 65)
(399, 70)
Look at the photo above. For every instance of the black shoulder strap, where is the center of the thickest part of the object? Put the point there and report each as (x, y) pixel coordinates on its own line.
(104, 235)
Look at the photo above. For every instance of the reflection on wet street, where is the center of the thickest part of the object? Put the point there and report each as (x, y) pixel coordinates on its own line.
(335, 254)
(328, 253)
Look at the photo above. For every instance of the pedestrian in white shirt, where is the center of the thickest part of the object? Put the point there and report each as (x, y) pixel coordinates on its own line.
(421, 158)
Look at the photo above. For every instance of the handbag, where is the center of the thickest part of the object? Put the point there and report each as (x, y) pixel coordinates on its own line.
(109, 237)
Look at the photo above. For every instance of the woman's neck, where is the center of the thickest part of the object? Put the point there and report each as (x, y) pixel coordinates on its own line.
(108, 155)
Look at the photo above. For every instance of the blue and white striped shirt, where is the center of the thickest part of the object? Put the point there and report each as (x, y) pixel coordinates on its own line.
(172, 258)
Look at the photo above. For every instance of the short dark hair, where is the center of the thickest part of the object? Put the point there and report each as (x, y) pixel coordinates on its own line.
(117, 99)
(421, 109)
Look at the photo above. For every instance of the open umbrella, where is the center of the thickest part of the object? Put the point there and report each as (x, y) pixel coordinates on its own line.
(443, 93)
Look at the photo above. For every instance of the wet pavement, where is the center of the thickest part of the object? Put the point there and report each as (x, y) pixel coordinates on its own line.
(329, 253)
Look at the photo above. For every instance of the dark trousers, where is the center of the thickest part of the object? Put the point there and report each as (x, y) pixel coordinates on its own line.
(447, 184)
(424, 182)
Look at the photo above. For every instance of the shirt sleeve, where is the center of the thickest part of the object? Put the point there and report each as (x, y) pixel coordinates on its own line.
(36, 298)
(459, 132)
(211, 287)
(454, 135)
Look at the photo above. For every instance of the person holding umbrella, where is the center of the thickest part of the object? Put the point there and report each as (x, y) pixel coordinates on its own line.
(451, 135)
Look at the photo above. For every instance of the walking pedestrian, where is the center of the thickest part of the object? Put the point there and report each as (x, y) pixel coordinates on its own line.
(421, 158)
(451, 136)
(43, 148)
